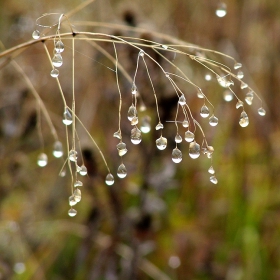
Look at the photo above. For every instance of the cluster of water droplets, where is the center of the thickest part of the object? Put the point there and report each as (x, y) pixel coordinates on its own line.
(57, 60)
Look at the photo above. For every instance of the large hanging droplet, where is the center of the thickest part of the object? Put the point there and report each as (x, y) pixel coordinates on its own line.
(237, 65)
(244, 120)
(42, 160)
(134, 89)
(72, 200)
(194, 150)
(176, 155)
(213, 121)
(67, 117)
(189, 136)
(213, 180)
(36, 34)
(57, 149)
(161, 143)
(221, 10)
(77, 195)
(121, 149)
(117, 134)
(261, 111)
(200, 94)
(239, 104)
(159, 126)
(228, 95)
(83, 171)
(146, 124)
(209, 151)
(249, 97)
(182, 100)
(132, 112)
(57, 60)
(136, 136)
(211, 170)
(72, 212)
(122, 172)
(204, 111)
(78, 184)
(59, 47)
(178, 138)
(109, 180)
(240, 75)
(54, 73)
(243, 85)
(224, 82)
(185, 123)
(73, 155)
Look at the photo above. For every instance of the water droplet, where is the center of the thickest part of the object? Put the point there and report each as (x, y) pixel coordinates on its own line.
(136, 136)
(57, 149)
(239, 104)
(176, 155)
(204, 111)
(109, 180)
(228, 95)
(54, 73)
(213, 180)
(145, 124)
(164, 47)
(159, 126)
(42, 160)
(132, 112)
(141, 53)
(243, 85)
(200, 94)
(77, 195)
(57, 60)
(194, 150)
(67, 117)
(72, 200)
(134, 121)
(208, 77)
(19, 268)
(213, 121)
(161, 143)
(244, 120)
(134, 89)
(78, 184)
(209, 151)
(261, 111)
(36, 34)
(73, 155)
(122, 171)
(224, 82)
(59, 47)
(62, 173)
(240, 75)
(185, 123)
(178, 138)
(182, 100)
(211, 170)
(117, 134)
(237, 65)
(121, 149)
(249, 97)
(72, 212)
(189, 136)
(83, 171)
(221, 10)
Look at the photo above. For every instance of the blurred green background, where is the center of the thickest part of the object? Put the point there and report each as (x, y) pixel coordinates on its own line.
(164, 221)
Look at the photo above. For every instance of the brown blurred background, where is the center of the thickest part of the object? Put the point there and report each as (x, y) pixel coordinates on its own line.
(164, 221)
